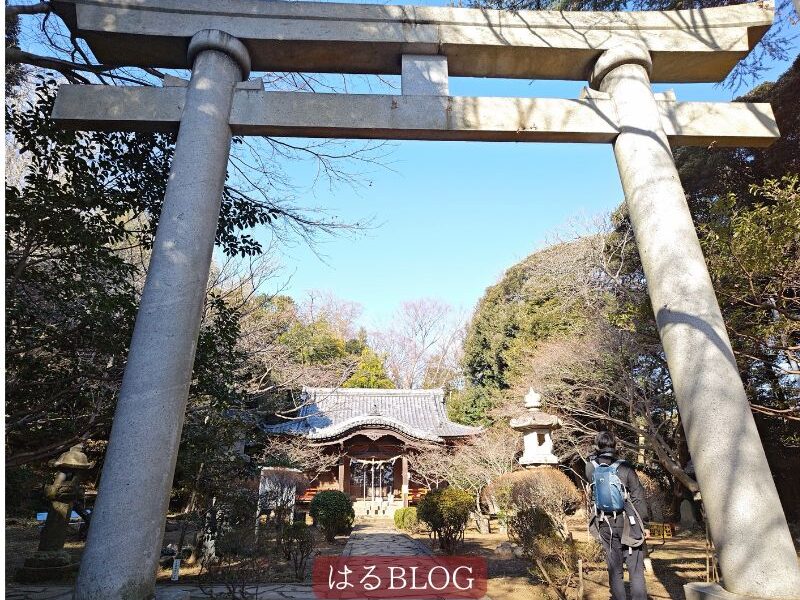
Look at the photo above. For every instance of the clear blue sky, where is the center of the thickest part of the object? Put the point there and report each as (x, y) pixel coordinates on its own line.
(452, 216)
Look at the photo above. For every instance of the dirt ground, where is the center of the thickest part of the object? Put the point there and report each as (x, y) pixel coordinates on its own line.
(22, 538)
(675, 562)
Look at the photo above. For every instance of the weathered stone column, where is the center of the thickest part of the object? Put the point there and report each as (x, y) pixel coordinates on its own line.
(749, 528)
(127, 527)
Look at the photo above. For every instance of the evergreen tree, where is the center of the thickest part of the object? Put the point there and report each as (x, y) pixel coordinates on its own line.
(370, 372)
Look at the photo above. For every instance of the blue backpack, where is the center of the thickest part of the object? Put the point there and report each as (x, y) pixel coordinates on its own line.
(609, 493)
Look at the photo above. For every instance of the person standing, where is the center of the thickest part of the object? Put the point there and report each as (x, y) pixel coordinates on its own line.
(620, 512)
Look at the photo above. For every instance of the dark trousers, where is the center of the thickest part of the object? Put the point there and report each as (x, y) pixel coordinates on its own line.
(616, 556)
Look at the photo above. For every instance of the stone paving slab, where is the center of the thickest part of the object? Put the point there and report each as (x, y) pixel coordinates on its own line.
(379, 540)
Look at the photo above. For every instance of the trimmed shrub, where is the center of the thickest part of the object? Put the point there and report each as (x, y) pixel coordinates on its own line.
(398, 517)
(411, 519)
(298, 543)
(591, 551)
(429, 513)
(406, 519)
(555, 561)
(333, 512)
(446, 512)
(536, 503)
(545, 489)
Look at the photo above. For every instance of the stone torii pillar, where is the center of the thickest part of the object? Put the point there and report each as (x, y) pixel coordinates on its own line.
(140, 461)
(740, 497)
(425, 45)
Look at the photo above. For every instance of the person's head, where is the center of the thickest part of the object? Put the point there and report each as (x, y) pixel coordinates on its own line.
(605, 442)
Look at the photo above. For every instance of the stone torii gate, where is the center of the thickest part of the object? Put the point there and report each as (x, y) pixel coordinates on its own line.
(620, 54)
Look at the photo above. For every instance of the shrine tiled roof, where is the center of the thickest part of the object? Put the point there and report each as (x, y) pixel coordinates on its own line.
(328, 413)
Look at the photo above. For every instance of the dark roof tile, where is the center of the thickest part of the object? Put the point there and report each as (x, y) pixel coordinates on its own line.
(330, 412)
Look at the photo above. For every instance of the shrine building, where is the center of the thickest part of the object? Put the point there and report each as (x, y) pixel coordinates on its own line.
(377, 432)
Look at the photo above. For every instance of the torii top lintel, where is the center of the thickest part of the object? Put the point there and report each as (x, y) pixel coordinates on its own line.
(685, 45)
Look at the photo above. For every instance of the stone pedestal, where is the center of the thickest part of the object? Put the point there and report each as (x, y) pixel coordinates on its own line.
(714, 591)
(54, 533)
(50, 567)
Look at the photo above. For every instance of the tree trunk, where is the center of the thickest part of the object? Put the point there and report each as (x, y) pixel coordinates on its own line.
(559, 592)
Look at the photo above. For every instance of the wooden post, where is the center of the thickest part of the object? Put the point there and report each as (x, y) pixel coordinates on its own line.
(341, 475)
(405, 481)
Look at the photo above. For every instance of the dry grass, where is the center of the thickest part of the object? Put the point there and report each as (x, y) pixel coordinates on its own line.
(508, 577)
(676, 561)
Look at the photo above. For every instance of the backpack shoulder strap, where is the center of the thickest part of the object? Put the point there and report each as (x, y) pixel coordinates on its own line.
(615, 466)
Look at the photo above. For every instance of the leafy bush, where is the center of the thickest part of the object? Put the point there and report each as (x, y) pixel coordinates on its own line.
(546, 489)
(406, 519)
(410, 519)
(333, 512)
(23, 491)
(398, 517)
(236, 506)
(241, 564)
(429, 512)
(446, 512)
(536, 503)
(298, 543)
(240, 542)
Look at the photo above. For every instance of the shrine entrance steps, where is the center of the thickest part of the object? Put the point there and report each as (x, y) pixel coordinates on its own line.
(376, 509)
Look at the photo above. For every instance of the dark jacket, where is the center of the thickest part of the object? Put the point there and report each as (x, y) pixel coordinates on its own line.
(629, 479)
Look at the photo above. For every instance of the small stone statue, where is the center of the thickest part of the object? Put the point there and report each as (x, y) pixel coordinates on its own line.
(50, 561)
(65, 490)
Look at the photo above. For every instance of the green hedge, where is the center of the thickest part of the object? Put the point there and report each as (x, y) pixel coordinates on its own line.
(406, 519)
(446, 512)
(333, 512)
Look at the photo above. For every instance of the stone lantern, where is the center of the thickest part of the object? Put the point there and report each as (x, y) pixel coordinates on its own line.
(537, 427)
(50, 561)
